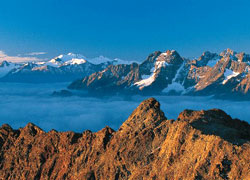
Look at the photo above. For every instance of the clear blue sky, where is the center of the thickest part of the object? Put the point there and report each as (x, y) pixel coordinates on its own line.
(128, 29)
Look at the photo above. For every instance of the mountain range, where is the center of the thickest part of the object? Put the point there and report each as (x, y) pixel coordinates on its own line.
(197, 145)
(63, 68)
(223, 75)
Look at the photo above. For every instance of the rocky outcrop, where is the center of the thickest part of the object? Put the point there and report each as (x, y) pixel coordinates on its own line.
(113, 79)
(198, 145)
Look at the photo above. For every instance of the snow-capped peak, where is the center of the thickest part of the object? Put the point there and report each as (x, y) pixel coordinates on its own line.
(170, 57)
(71, 58)
(66, 59)
(5, 67)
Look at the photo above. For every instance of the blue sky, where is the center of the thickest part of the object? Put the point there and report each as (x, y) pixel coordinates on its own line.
(128, 29)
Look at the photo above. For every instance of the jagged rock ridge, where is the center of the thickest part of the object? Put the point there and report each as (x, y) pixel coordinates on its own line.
(222, 75)
(198, 145)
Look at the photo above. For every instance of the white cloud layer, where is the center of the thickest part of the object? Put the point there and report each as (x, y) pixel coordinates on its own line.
(36, 53)
(23, 103)
(5, 57)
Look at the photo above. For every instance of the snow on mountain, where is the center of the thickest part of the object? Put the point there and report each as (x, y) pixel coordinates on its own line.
(162, 72)
(147, 80)
(5, 67)
(169, 73)
(75, 61)
(65, 59)
(175, 86)
(208, 59)
(65, 67)
(229, 74)
(71, 59)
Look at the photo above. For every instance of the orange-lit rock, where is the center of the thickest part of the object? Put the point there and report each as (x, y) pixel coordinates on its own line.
(198, 145)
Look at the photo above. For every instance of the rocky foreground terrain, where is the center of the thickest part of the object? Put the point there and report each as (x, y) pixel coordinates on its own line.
(197, 145)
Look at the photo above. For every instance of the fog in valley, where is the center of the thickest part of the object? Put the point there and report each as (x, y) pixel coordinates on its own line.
(23, 103)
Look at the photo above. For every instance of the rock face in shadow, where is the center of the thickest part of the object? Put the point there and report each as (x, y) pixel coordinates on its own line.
(198, 145)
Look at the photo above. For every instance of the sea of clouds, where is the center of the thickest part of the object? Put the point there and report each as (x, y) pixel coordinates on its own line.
(23, 103)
